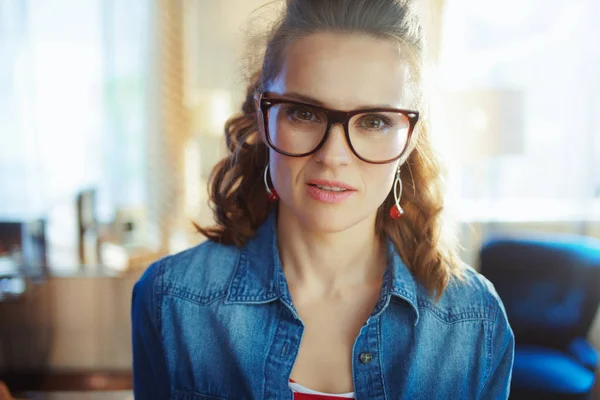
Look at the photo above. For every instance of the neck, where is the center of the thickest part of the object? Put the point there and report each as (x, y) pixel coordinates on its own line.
(330, 262)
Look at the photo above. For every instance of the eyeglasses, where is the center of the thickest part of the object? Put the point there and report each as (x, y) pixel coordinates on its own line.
(375, 135)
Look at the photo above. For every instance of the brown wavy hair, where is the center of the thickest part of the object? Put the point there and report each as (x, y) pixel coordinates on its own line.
(236, 188)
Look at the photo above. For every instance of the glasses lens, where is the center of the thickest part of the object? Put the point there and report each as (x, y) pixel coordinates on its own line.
(375, 136)
(379, 136)
(296, 129)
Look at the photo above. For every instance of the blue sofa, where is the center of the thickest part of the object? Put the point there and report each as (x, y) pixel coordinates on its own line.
(550, 287)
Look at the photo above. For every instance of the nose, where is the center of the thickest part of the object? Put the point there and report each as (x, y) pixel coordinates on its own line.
(336, 150)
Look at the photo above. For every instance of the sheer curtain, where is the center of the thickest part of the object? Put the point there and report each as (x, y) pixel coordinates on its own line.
(521, 85)
(73, 110)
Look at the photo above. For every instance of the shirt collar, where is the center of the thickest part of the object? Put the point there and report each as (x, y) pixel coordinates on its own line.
(259, 278)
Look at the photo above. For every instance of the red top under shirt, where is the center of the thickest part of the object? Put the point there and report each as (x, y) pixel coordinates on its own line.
(302, 393)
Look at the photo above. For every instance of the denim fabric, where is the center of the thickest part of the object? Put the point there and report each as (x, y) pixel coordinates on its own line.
(218, 322)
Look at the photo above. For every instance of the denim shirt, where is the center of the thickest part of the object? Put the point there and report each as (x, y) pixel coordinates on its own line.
(218, 322)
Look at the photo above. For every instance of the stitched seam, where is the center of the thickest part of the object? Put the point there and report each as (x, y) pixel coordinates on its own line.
(187, 393)
(488, 358)
(258, 299)
(186, 294)
(379, 350)
(159, 305)
(459, 317)
(194, 301)
(271, 340)
(483, 308)
(193, 297)
(462, 317)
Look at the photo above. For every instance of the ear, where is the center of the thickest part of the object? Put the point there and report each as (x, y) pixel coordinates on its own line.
(260, 121)
(256, 99)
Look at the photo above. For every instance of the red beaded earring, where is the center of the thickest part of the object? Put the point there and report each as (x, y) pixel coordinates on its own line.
(272, 195)
(396, 212)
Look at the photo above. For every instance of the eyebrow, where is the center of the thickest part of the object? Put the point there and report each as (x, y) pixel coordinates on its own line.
(316, 102)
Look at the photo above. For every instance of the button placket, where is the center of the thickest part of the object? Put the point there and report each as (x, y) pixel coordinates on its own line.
(282, 354)
(366, 368)
(366, 357)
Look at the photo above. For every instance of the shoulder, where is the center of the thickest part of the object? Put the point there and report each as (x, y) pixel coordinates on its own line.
(199, 273)
(471, 297)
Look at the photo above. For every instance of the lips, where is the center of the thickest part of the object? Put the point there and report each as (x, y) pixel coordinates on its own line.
(332, 196)
(331, 186)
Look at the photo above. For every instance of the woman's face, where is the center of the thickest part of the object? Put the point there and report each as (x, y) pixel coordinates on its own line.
(342, 72)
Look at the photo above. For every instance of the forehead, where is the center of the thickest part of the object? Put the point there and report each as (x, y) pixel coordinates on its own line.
(345, 70)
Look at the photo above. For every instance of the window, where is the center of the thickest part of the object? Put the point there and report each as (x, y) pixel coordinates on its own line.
(73, 110)
(524, 75)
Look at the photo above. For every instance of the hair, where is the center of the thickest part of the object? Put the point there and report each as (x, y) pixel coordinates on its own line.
(236, 188)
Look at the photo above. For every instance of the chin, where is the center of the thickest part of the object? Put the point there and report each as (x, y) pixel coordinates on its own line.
(330, 219)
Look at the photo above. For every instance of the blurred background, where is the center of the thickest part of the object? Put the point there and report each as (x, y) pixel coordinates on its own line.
(111, 117)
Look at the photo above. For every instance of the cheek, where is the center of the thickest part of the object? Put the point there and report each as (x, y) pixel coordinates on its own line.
(379, 182)
(284, 171)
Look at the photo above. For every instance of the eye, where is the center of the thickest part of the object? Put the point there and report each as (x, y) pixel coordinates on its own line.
(374, 121)
(302, 113)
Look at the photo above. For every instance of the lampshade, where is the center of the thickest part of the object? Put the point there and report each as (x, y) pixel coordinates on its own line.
(483, 123)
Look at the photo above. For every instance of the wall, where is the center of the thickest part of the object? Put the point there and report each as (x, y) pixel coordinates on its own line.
(69, 324)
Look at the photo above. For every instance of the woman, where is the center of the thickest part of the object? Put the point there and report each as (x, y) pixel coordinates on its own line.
(336, 282)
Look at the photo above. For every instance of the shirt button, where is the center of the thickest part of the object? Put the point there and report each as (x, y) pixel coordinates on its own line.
(366, 358)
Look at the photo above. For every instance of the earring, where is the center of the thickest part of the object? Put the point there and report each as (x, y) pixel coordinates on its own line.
(396, 212)
(271, 193)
